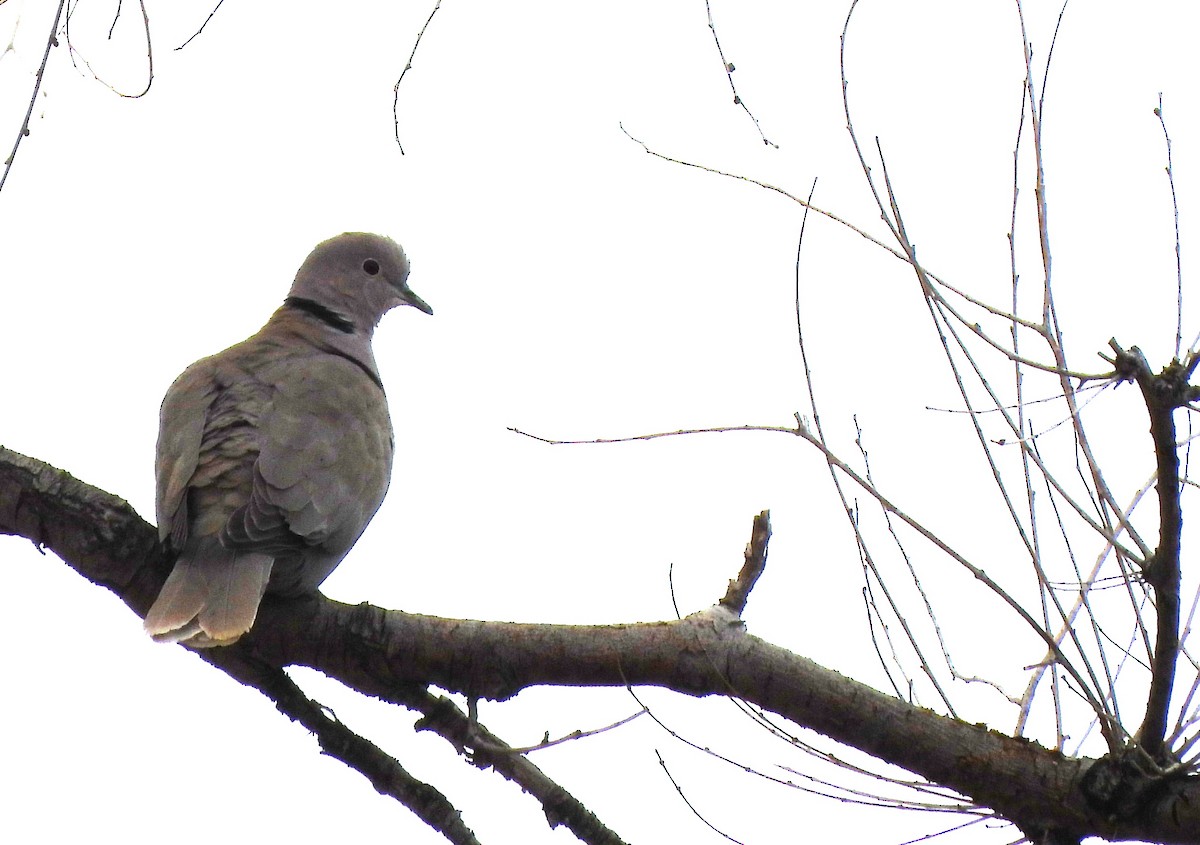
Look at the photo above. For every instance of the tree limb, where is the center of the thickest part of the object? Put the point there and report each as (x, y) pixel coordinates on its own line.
(103, 539)
(1162, 394)
(385, 653)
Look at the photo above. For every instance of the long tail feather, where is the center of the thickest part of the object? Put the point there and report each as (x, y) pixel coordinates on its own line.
(211, 596)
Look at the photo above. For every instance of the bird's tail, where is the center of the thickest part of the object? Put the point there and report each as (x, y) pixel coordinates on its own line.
(211, 596)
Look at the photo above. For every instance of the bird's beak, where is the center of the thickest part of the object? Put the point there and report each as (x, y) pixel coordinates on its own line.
(415, 301)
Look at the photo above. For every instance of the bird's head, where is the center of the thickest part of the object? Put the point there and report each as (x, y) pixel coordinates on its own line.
(358, 276)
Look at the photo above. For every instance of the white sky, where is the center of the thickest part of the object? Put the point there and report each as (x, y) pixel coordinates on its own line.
(581, 289)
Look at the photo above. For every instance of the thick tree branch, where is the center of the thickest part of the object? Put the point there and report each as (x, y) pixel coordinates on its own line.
(1162, 393)
(103, 539)
(385, 653)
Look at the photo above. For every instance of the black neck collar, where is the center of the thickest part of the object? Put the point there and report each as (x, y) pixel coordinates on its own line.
(326, 315)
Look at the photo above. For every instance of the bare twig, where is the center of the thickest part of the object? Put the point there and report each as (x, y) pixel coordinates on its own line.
(869, 564)
(930, 836)
(547, 742)
(779, 429)
(729, 69)
(973, 325)
(902, 618)
(112, 27)
(51, 41)
(1086, 689)
(671, 589)
(193, 36)
(875, 620)
(149, 55)
(827, 788)
(689, 804)
(936, 306)
(1022, 404)
(1187, 716)
(1158, 112)
(468, 737)
(407, 67)
(1107, 504)
(1102, 500)
(1086, 585)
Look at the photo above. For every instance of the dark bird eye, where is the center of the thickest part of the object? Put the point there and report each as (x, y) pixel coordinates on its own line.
(371, 266)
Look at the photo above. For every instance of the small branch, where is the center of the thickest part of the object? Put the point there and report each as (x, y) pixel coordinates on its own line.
(900, 616)
(822, 787)
(149, 53)
(766, 185)
(974, 326)
(729, 69)
(51, 41)
(756, 561)
(1158, 112)
(1086, 689)
(547, 742)
(195, 34)
(338, 741)
(780, 429)
(442, 716)
(407, 67)
(689, 804)
(1087, 585)
(1107, 501)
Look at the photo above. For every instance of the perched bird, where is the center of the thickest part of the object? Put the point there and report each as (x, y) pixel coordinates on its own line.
(274, 454)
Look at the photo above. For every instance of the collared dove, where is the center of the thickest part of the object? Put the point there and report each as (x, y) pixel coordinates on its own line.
(274, 454)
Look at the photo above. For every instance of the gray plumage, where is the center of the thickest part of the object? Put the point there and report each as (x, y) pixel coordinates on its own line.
(274, 454)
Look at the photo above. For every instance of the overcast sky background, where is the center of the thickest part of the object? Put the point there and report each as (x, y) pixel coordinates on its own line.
(581, 289)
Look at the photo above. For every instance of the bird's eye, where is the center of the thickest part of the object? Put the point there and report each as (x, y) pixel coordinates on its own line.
(371, 266)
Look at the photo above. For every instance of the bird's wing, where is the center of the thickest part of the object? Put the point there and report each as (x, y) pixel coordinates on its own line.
(325, 456)
(181, 429)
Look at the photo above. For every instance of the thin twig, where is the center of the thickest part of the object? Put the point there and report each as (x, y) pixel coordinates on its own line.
(979, 574)
(112, 27)
(689, 804)
(933, 277)
(193, 36)
(1158, 112)
(1112, 730)
(482, 745)
(484, 749)
(51, 41)
(74, 53)
(901, 617)
(1108, 504)
(407, 67)
(1026, 703)
(829, 789)
(929, 836)
(729, 69)
(779, 429)
(1183, 721)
